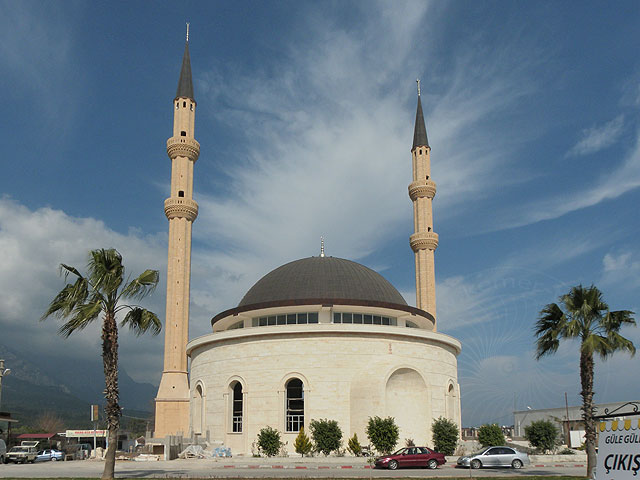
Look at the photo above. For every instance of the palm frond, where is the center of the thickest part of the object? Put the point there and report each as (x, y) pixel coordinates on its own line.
(549, 329)
(106, 271)
(67, 269)
(82, 316)
(619, 343)
(613, 321)
(141, 286)
(140, 320)
(68, 299)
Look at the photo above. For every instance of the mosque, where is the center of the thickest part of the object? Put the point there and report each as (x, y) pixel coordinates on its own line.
(319, 337)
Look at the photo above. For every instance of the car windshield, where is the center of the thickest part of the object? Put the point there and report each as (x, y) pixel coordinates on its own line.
(18, 449)
(480, 452)
(399, 452)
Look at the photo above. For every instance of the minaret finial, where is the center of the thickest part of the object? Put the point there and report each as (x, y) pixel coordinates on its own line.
(322, 246)
(188, 35)
(417, 79)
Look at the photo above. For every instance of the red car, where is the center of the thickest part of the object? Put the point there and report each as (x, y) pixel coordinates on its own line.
(411, 457)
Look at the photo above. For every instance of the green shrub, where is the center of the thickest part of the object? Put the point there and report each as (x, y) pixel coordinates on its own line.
(269, 441)
(326, 434)
(445, 435)
(490, 435)
(353, 445)
(302, 444)
(567, 451)
(542, 434)
(383, 434)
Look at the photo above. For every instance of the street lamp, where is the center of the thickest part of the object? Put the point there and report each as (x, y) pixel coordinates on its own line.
(3, 372)
(520, 422)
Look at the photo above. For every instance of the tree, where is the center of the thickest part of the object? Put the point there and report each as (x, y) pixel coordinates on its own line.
(445, 435)
(302, 444)
(269, 441)
(100, 294)
(326, 435)
(383, 433)
(542, 434)
(353, 445)
(584, 317)
(490, 435)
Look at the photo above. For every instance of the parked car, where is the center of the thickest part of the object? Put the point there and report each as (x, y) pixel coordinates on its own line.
(495, 457)
(22, 454)
(411, 457)
(49, 455)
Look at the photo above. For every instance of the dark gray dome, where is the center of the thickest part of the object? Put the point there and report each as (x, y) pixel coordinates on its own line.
(321, 278)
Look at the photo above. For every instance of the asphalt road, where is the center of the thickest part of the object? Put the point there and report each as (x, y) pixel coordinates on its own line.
(215, 469)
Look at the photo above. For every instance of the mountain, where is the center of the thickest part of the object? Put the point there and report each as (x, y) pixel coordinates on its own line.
(42, 383)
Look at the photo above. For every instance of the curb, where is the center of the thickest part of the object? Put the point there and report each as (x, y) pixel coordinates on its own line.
(364, 467)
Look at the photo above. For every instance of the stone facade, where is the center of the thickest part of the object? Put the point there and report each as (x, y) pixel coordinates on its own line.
(349, 373)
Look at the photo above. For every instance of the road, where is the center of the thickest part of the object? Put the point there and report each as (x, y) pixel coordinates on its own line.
(288, 469)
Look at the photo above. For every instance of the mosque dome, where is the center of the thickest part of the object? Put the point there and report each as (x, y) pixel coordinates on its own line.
(322, 278)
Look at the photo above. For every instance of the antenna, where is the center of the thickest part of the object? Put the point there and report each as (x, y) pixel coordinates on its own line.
(417, 79)
(322, 246)
(188, 33)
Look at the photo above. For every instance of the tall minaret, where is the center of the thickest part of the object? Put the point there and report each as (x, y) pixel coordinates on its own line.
(172, 402)
(424, 241)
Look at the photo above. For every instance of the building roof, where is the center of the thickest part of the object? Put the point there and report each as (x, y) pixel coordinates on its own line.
(319, 278)
(419, 131)
(185, 84)
(26, 436)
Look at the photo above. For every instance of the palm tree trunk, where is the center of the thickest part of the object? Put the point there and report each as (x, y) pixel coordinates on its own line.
(586, 380)
(111, 393)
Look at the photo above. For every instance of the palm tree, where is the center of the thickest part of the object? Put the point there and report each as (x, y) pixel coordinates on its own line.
(585, 317)
(99, 294)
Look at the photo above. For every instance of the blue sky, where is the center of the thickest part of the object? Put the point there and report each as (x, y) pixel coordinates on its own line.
(305, 119)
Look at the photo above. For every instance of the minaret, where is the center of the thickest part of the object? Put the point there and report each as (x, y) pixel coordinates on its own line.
(172, 402)
(424, 241)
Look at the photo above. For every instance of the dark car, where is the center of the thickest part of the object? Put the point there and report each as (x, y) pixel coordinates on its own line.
(411, 457)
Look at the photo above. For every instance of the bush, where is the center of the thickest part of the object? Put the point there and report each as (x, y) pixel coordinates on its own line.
(542, 434)
(383, 434)
(490, 435)
(302, 444)
(326, 435)
(269, 441)
(567, 451)
(445, 435)
(353, 445)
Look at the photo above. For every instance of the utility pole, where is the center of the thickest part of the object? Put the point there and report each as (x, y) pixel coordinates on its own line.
(3, 372)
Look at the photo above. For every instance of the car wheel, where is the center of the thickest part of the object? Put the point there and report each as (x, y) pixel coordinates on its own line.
(516, 463)
(432, 464)
(393, 465)
(475, 464)
(54, 459)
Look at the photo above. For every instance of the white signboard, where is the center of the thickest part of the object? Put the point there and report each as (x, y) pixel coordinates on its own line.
(89, 433)
(618, 450)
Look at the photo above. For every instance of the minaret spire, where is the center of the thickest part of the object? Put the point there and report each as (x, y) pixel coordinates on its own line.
(172, 401)
(322, 246)
(185, 83)
(424, 240)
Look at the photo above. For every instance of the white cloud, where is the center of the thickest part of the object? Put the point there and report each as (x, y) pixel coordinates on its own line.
(598, 138)
(620, 180)
(621, 269)
(33, 243)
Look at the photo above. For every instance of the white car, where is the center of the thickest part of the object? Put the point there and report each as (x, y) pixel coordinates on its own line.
(495, 457)
(49, 455)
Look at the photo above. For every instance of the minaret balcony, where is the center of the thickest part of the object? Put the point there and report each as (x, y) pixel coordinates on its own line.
(423, 241)
(420, 188)
(183, 147)
(180, 207)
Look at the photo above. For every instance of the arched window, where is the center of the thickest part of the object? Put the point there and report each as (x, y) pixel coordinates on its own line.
(236, 410)
(294, 405)
(450, 403)
(198, 410)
